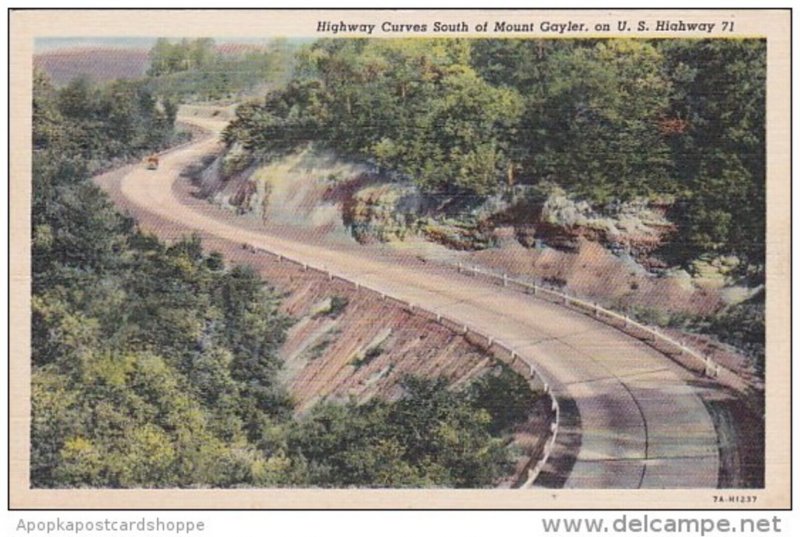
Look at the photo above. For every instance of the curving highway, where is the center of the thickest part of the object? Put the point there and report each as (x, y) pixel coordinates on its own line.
(631, 418)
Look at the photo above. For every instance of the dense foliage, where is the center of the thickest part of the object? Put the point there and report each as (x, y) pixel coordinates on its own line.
(605, 119)
(150, 363)
(430, 437)
(156, 365)
(98, 126)
(197, 69)
(720, 160)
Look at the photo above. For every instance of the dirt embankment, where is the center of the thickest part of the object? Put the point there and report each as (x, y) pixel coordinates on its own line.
(349, 343)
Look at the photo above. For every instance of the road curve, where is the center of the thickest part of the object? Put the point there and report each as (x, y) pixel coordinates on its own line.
(632, 418)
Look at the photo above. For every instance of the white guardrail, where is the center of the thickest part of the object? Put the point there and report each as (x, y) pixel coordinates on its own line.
(498, 349)
(678, 351)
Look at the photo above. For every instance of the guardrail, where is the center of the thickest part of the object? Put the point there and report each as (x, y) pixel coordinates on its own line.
(498, 349)
(678, 351)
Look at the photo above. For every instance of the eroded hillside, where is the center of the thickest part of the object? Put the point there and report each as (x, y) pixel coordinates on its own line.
(541, 233)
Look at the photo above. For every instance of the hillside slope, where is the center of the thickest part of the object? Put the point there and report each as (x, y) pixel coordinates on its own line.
(548, 239)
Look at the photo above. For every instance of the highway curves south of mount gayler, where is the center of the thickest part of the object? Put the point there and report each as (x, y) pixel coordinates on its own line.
(631, 417)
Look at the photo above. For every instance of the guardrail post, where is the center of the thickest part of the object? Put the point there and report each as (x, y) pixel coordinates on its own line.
(280, 258)
(459, 267)
(505, 280)
(475, 270)
(439, 318)
(330, 276)
(490, 342)
(596, 310)
(535, 289)
(465, 330)
(305, 267)
(625, 321)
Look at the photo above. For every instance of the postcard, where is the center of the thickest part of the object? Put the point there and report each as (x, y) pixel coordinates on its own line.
(407, 259)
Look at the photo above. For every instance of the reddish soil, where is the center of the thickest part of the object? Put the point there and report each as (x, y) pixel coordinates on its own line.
(594, 272)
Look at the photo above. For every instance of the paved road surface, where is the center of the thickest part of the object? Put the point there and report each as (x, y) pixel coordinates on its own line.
(632, 418)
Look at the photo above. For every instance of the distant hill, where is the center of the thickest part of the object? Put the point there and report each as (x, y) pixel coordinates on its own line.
(103, 64)
(238, 49)
(99, 64)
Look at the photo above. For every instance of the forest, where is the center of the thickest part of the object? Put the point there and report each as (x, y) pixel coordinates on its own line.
(155, 365)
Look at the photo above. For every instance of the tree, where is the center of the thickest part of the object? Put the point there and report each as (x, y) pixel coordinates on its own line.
(595, 129)
(49, 127)
(431, 436)
(470, 128)
(505, 396)
(720, 91)
(413, 106)
(253, 330)
(82, 464)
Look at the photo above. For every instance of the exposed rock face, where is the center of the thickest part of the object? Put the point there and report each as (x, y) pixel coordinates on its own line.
(606, 253)
(459, 236)
(346, 344)
(636, 228)
(389, 212)
(305, 188)
(383, 212)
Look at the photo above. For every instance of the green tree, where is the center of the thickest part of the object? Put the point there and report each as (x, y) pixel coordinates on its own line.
(720, 92)
(596, 126)
(505, 396)
(431, 436)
